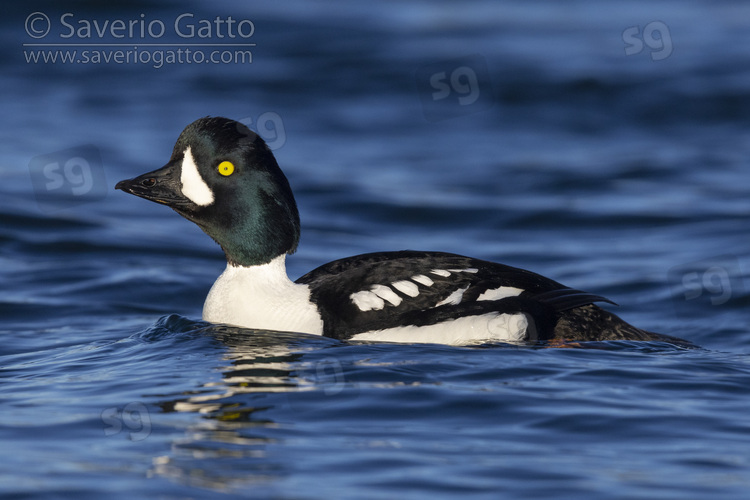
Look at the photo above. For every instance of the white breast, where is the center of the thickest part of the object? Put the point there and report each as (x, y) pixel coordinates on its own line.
(262, 297)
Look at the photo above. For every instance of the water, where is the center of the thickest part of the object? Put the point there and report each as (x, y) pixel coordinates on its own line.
(623, 175)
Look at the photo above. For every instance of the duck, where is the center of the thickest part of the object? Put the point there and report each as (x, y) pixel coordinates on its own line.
(223, 177)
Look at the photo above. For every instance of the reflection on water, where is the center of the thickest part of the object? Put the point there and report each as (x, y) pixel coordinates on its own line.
(228, 446)
(270, 397)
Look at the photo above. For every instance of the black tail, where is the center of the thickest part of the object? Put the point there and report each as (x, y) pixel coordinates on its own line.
(591, 323)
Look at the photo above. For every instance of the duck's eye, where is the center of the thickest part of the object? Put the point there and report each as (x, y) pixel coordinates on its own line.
(226, 168)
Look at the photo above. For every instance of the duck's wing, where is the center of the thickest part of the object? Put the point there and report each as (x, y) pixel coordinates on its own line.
(399, 290)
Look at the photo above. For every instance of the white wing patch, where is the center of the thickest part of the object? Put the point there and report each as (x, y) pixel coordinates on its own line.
(422, 280)
(447, 272)
(406, 287)
(500, 293)
(454, 298)
(193, 185)
(472, 270)
(367, 301)
(376, 297)
(386, 293)
(441, 272)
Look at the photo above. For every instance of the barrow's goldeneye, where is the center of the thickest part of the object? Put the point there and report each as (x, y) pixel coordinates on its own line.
(223, 177)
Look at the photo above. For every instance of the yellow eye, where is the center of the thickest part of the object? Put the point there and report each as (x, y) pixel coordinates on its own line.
(226, 168)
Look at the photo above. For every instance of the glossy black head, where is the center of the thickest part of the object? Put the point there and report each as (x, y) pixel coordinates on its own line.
(223, 177)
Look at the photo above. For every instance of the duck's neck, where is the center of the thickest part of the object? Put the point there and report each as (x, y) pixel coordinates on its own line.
(257, 239)
(255, 221)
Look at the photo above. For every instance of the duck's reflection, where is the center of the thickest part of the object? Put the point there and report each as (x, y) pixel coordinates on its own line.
(239, 422)
(228, 447)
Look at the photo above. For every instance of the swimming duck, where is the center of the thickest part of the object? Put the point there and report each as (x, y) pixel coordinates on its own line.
(224, 178)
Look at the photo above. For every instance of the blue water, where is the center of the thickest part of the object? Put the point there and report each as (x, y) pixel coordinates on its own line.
(603, 145)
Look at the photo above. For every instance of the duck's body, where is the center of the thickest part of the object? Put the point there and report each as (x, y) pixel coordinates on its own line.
(223, 177)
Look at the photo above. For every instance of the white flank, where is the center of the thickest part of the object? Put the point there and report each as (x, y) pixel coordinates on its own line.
(193, 185)
(454, 298)
(467, 330)
(406, 287)
(500, 293)
(262, 297)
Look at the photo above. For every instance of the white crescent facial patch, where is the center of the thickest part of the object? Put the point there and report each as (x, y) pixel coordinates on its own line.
(193, 185)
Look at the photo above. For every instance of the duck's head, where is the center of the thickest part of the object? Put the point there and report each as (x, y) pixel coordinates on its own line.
(223, 177)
